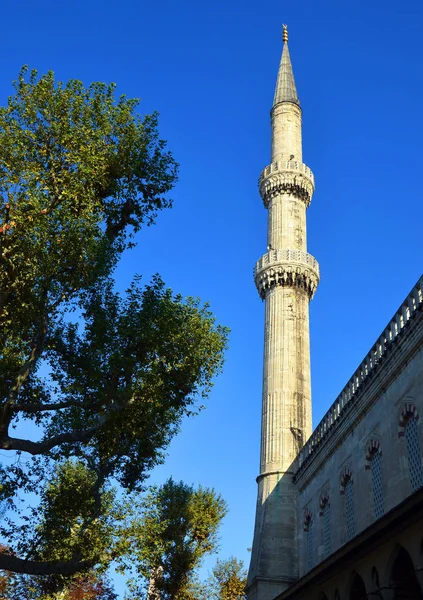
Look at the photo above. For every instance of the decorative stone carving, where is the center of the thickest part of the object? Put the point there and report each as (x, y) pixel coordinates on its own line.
(291, 177)
(293, 268)
(373, 448)
(409, 411)
(323, 501)
(346, 476)
(308, 517)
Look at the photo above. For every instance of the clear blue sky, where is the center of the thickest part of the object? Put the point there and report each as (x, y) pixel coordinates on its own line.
(210, 68)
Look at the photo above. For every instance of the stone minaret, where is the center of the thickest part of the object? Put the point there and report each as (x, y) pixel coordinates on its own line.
(286, 278)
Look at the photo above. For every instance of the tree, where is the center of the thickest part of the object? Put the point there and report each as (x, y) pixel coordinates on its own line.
(104, 379)
(227, 580)
(169, 534)
(6, 580)
(87, 586)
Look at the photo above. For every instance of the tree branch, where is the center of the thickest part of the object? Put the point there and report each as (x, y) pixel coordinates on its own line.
(79, 435)
(34, 448)
(34, 408)
(51, 567)
(113, 229)
(22, 376)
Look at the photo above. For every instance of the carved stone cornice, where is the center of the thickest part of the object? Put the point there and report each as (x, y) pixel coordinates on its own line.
(293, 268)
(291, 177)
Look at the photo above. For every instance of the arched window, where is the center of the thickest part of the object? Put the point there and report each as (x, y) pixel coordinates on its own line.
(414, 454)
(308, 528)
(349, 509)
(358, 590)
(376, 582)
(348, 491)
(325, 513)
(377, 485)
(310, 546)
(403, 578)
(374, 460)
(408, 427)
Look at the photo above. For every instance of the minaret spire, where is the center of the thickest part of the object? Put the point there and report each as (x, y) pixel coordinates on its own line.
(286, 90)
(286, 278)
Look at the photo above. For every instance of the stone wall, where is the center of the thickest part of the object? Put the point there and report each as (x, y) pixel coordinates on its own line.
(366, 455)
(384, 562)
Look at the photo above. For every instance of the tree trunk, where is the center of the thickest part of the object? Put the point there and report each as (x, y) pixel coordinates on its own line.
(153, 592)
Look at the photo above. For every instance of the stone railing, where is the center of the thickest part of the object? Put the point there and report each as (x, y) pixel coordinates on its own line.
(287, 165)
(286, 268)
(274, 256)
(393, 331)
(289, 176)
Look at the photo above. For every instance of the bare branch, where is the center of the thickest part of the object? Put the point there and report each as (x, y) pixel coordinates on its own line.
(39, 407)
(34, 448)
(51, 567)
(79, 435)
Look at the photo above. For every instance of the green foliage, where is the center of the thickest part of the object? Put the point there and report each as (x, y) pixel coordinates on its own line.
(104, 378)
(83, 526)
(227, 581)
(141, 360)
(78, 173)
(86, 586)
(169, 534)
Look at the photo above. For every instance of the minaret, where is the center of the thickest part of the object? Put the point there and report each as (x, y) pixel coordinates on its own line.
(286, 278)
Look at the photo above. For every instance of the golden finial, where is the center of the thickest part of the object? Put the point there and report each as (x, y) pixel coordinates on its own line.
(285, 34)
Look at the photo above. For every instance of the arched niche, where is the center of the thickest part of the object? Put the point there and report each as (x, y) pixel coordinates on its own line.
(403, 581)
(357, 588)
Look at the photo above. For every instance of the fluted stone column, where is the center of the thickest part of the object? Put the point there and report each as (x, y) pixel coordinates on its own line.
(286, 278)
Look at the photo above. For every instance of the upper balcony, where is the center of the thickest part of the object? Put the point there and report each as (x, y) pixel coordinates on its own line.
(291, 176)
(286, 267)
(287, 165)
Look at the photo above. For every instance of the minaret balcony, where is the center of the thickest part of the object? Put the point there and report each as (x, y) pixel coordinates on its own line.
(287, 268)
(289, 177)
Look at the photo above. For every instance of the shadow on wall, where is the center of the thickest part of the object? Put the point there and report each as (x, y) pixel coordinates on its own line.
(274, 558)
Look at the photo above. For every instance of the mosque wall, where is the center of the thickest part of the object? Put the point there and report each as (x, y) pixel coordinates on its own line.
(368, 460)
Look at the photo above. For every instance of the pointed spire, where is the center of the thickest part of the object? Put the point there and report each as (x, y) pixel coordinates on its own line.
(285, 85)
